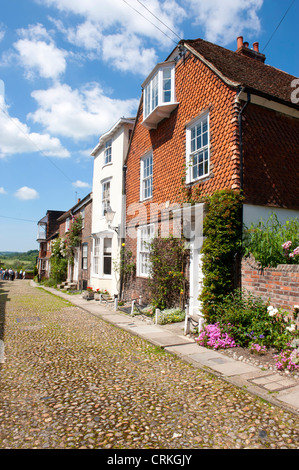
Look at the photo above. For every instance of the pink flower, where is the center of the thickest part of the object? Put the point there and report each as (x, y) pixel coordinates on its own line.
(286, 245)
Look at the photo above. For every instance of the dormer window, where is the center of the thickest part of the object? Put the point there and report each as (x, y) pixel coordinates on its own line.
(159, 95)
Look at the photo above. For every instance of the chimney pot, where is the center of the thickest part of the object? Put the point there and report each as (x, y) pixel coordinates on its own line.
(246, 44)
(239, 42)
(256, 46)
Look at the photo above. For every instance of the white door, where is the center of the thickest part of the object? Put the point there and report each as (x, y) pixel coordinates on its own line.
(196, 279)
(76, 265)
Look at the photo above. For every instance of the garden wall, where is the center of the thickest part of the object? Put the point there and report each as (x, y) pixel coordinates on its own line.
(278, 285)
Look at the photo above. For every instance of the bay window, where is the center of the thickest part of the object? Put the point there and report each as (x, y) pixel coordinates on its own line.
(159, 94)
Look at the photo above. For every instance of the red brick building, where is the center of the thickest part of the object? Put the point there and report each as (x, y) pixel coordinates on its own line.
(47, 230)
(210, 118)
(79, 270)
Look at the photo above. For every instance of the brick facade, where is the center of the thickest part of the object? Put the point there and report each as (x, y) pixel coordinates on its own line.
(198, 89)
(279, 286)
(83, 273)
(271, 150)
(211, 79)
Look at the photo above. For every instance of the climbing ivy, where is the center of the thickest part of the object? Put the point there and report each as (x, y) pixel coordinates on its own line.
(223, 240)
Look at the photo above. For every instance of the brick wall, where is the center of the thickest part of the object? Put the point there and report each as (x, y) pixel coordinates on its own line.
(271, 149)
(279, 285)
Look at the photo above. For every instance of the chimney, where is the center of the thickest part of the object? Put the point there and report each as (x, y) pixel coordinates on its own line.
(239, 42)
(244, 50)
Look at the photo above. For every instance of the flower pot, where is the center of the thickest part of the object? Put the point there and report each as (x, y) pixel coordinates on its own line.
(88, 295)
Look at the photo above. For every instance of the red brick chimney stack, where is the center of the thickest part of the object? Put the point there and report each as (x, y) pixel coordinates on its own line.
(244, 49)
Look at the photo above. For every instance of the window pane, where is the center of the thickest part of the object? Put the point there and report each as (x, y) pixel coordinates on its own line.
(105, 197)
(107, 265)
(166, 85)
(107, 245)
(147, 172)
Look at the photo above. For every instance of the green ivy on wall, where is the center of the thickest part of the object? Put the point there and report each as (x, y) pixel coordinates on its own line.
(223, 241)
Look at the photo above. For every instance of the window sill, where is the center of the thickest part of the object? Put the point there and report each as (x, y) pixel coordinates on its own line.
(107, 164)
(201, 179)
(158, 114)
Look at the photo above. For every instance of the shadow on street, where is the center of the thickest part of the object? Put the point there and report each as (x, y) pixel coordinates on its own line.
(3, 300)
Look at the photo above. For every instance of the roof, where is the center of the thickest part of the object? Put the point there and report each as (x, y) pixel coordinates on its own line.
(76, 207)
(244, 71)
(109, 134)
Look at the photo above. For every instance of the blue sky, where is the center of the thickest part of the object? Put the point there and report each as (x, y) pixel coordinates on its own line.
(69, 69)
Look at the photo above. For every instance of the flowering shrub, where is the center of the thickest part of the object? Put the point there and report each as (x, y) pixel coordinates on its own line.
(266, 241)
(171, 315)
(294, 255)
(211, 336)
(257, 349)
(288, 359)
(251, 321)
(58, 260)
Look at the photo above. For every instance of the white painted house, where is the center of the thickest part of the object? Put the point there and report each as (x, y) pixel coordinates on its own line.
(108, 201)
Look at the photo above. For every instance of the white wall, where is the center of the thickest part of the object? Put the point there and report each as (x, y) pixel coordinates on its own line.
(253, 214)
(114, 172)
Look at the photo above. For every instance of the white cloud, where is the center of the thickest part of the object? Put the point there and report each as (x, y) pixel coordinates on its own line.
(26, 193)
(79, 114)
(41, 57)
(120, 36)
(2, 190)
(126, 53)
(2, 32)
(223, 21)
(16, 137)
(81, 184)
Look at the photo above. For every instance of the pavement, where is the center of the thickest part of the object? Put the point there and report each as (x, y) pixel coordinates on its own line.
(271, 386)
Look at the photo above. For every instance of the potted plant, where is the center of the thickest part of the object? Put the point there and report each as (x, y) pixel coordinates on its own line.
(97, 294)
(88, 294)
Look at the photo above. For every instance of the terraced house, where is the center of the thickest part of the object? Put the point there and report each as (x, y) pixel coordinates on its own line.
(209, 118)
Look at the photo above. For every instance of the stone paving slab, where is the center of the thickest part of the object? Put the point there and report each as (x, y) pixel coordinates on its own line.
(290, 396)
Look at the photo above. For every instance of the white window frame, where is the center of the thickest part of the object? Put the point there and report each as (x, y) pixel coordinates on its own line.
(154, 95)
(146, 179)
(83, 216)
(84, 256)
(67, 224)
(98, 256)
(145, 234)
(196, 149)
(108, 152)
(106, 197)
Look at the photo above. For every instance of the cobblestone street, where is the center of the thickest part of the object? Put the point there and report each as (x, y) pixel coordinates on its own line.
(70, 380)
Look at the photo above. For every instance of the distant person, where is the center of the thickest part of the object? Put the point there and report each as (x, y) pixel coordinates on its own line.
(21, 274)
(24, 274)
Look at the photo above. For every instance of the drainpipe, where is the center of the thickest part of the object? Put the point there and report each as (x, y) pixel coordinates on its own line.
(121, 282)
(241, 136)
(241, 170)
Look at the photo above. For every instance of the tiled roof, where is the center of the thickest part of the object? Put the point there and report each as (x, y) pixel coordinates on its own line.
(247, 71)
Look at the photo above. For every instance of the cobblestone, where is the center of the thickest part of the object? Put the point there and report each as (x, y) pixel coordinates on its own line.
(70, 380)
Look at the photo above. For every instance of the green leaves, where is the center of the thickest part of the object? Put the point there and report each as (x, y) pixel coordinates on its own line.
(167, 284)
(223, 232)
(265, 239)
